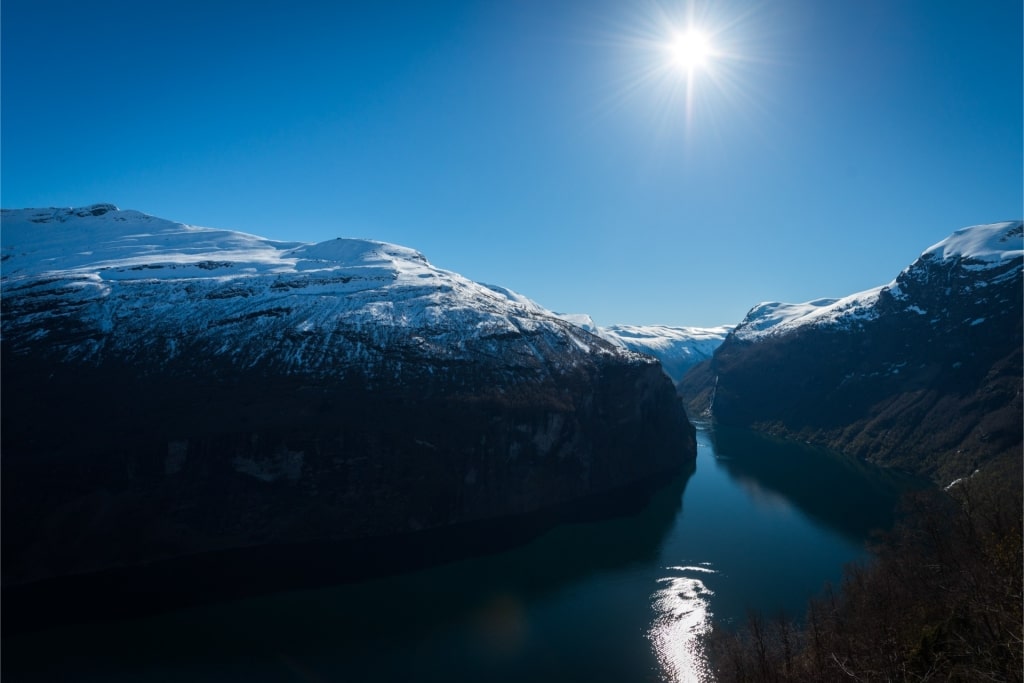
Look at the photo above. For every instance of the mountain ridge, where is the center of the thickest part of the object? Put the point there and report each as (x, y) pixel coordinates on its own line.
(923, 373)
(978, 247)
(174, 391)
(235, 278)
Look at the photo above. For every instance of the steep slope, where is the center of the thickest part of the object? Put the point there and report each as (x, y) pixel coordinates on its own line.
(923, 373)
(677, 348)
(172, 390)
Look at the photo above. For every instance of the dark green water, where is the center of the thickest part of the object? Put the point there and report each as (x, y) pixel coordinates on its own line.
(758, 524)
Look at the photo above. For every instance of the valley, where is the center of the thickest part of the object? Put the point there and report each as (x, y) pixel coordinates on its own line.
(247, 431)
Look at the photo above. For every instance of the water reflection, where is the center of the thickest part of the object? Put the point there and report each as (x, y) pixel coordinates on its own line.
(682, 621)
(556, 608)
(849, 496)
(765, 525)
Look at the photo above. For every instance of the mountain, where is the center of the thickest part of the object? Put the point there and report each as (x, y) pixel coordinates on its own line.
(678, 348)
(923, 373)
(172, 390)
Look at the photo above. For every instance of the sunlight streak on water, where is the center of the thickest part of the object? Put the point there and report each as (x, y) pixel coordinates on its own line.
(683, 621)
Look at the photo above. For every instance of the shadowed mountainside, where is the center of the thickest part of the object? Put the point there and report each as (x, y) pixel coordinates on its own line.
(173, 391)
(924, 374)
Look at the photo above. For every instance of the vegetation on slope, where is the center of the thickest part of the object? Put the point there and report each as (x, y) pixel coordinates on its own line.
(942, 600)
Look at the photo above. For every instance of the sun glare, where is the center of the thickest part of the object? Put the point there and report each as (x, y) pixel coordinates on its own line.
(686, 64)
(691, 50)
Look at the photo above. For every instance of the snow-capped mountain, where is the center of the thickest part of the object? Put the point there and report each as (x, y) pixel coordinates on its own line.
(991, 251)
(172, 389)
(139, 286)
(923, 373)
(678, 348)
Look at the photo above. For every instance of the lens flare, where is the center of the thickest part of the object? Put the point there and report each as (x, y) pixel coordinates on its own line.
(690, 69)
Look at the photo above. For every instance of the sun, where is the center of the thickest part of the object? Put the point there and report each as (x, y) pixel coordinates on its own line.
(687, 64)
(691, 50)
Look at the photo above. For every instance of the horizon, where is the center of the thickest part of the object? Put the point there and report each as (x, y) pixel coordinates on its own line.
(576, 154)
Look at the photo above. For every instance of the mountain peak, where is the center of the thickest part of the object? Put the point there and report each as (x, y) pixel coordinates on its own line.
(923, 373)
(987, 247)
(55, 214)
(990, 243)
(124, 276)
(95, 210)
(344, 250)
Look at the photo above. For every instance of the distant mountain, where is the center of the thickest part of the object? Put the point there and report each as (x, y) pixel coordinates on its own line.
(678, 348)
(171, 390)
(923, 373)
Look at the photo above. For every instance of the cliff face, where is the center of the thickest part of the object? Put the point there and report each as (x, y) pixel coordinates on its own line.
(923, 374)
(171, 390)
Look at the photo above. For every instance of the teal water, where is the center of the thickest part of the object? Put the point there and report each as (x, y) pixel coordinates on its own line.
(758, 525)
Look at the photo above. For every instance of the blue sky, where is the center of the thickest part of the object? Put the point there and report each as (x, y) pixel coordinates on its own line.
(548, 146)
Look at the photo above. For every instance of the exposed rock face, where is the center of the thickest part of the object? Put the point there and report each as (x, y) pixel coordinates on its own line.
(922, 374)
(171, 390)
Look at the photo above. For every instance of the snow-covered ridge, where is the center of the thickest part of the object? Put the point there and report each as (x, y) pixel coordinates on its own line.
(110, 244)
(994, 242)
(141, 284)
(103, 240)
(665, 337)
(977, 248)
(678, 348)
(773, 318)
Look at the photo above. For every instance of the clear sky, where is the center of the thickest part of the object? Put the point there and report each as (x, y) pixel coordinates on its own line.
(550, 146)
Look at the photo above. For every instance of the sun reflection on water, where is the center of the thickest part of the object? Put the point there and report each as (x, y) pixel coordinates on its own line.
(682, 622)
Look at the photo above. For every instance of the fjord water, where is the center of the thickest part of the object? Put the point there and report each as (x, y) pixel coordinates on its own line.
(758, 524)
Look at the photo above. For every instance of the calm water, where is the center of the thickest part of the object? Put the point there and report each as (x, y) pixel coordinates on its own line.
(757, 525)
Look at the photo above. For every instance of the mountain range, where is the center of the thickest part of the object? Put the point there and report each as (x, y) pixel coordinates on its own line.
(677, 348)
(206, 408)
(923, 373)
